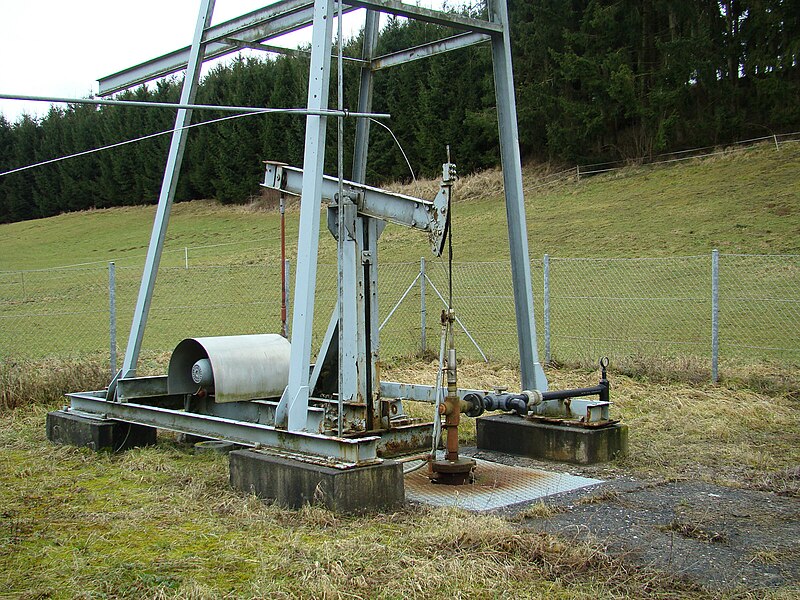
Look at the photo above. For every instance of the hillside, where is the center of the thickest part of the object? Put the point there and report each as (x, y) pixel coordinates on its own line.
(745, 201)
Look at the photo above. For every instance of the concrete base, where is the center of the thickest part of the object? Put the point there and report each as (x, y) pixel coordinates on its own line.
(293, 483)
(97, 434)
(581, 445)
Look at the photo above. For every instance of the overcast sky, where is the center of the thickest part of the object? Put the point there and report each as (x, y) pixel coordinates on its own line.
(59, 48)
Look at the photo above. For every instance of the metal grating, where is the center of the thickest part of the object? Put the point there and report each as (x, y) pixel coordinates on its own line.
(495, 486)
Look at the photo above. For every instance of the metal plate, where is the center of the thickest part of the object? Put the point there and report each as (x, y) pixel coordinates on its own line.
(495, 486)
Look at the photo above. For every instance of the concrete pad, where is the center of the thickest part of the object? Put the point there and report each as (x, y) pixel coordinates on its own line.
(581, 445)
(97, 434)
(293, 483)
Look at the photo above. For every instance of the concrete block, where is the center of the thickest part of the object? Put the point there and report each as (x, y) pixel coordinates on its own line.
(97, 434)
(293, 483)
(582, 445)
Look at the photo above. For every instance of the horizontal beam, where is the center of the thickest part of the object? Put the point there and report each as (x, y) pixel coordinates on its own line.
(259, 25)
(344, 452)
(438, 17)
(462, 40)
(400, 209)
(287, 51)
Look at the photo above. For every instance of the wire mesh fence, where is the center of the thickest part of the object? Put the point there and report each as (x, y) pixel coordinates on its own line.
(585, 308)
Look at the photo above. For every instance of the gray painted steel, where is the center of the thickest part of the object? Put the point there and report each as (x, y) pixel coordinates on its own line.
(243, 367)
(462, 40)
(410, 11)
(293, 407)
(425, 215)
(168, 186)
(341, 450)
(533, 377)
(259, 25)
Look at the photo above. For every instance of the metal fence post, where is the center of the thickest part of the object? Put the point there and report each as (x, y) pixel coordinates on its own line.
(112, 315)
(547, 355)
(714, 315)
(422, 312)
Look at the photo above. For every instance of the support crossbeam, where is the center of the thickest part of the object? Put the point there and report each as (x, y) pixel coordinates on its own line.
(455, 42)
(353, 452)
(257, 26)
(438, 17)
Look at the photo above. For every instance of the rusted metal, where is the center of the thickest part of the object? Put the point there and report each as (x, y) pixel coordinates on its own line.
(453, 470)
(494, 486)
(573, 422)
(400, 441)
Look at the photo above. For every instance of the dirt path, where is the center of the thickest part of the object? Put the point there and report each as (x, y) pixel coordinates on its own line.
(720, 537)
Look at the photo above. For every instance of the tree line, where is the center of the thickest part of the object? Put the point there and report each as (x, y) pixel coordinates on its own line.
(596, 80)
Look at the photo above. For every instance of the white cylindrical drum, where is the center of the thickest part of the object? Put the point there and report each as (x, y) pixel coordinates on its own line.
(231, 368)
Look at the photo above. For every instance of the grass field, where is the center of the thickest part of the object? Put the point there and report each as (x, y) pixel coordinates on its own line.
(743, 202)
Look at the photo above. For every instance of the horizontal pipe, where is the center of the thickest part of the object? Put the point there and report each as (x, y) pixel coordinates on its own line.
(176, 105)
(575, 393)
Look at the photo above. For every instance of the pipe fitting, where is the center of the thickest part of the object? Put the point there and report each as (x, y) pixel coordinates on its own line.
(535, 398)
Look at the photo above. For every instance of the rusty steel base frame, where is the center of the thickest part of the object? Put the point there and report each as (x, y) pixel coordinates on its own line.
(144, 401)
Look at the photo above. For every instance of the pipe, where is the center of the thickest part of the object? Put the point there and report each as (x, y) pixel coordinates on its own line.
(176, 105)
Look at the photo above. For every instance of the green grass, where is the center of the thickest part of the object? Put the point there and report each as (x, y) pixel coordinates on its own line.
(746, 201)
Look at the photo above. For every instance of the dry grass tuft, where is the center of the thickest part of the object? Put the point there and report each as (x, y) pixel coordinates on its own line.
(24, 382)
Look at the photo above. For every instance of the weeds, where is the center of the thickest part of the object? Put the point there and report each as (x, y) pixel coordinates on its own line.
(24, 382)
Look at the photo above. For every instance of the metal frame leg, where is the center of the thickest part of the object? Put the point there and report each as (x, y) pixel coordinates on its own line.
(167, 195)
(293, 406)
(533, 377)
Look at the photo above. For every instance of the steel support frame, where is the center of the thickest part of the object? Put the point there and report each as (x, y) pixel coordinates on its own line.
(263, 24)
(293, 406)
(342, 451)
(289, 15)
(167, 194)
(533, 377)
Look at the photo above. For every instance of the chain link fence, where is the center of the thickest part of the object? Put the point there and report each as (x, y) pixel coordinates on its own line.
(746, 309)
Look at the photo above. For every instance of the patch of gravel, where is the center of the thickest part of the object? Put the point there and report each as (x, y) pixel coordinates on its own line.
(720, 537)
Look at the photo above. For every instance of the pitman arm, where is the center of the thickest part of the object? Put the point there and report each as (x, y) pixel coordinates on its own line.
(425, 215)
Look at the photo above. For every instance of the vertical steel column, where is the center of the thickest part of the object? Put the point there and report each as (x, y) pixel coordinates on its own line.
(365, 97)
(292, 409)
(533, 376)
(547, 355)
(168, 186)
(714, 315)
(422, 309)
(112, 317)
(367, 232)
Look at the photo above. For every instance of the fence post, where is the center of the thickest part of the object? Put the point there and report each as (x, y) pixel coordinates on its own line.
(112, 315)
(422, 311)
(186, 257)
(547, 356)
(775, 138)
(715, 315)
(22, 277)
